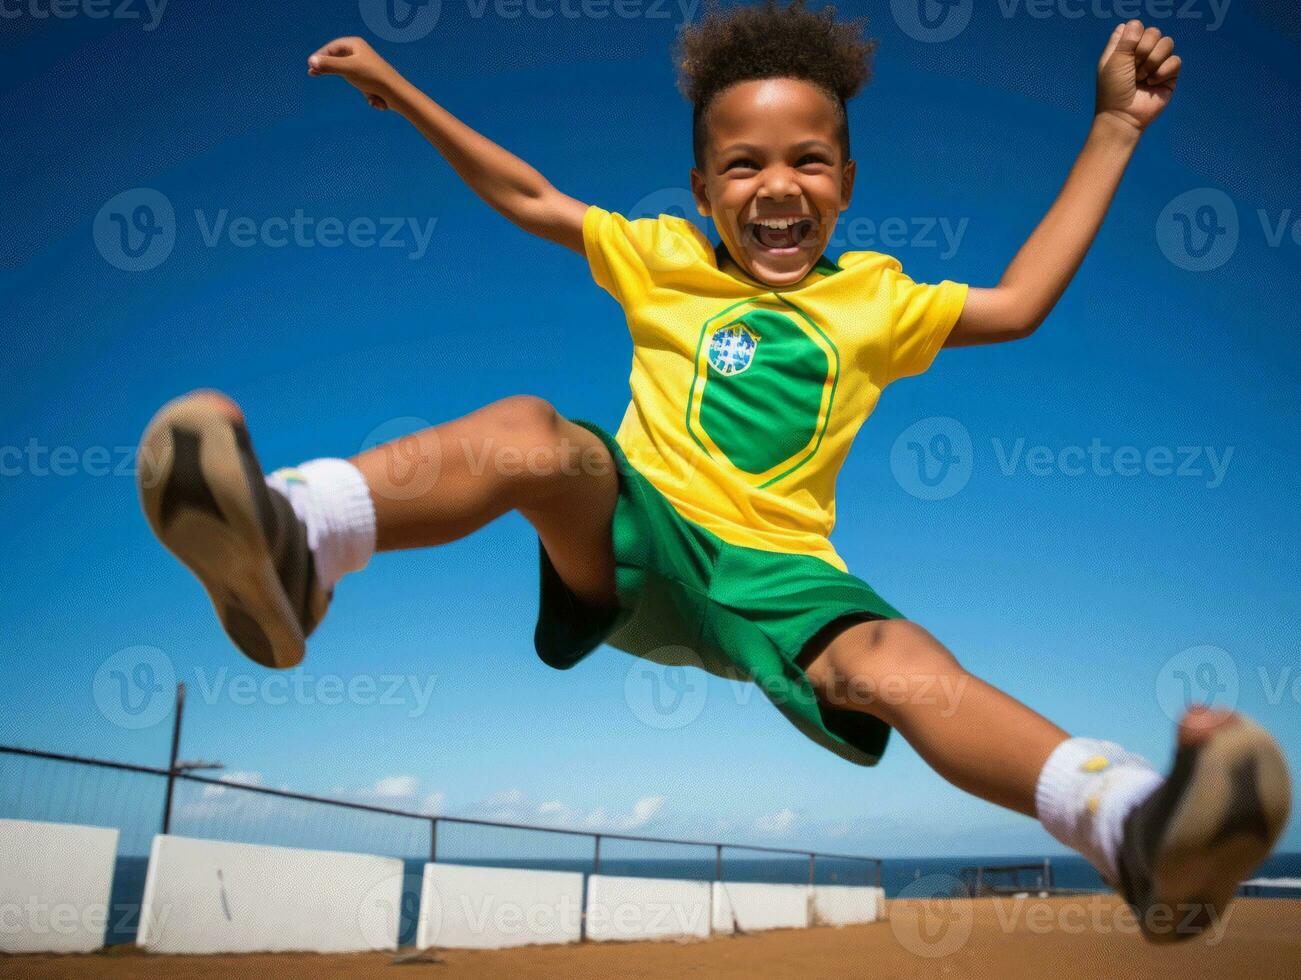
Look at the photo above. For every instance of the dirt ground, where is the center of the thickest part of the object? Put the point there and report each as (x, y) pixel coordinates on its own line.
(1067, 938)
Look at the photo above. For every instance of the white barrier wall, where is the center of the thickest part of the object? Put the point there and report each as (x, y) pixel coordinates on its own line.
(750, 906)
(54, 886)
(647, 908)
(490, 908)
(205, 896)
(840, 905)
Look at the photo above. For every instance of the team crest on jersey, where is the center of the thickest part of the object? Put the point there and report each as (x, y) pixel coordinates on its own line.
(765, 381)
(731, 348)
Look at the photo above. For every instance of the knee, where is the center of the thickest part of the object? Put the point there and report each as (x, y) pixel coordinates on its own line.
(875, 665)
(526, 420)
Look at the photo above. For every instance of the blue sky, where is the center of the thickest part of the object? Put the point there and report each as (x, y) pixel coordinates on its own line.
(1086, 583)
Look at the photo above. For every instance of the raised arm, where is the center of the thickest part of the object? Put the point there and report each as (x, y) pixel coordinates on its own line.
(1136, 77)
(506, 182)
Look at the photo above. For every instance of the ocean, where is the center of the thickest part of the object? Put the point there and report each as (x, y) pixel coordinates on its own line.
(916, 877)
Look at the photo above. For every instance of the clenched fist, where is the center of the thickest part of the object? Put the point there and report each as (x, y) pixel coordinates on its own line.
(356, 61)
(1137, 73)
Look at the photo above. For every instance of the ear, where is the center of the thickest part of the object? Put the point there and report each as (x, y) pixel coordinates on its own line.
(847, 184)
(699, 193)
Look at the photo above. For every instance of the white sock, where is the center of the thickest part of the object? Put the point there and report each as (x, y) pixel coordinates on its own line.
(331, 498)
(1085, 792)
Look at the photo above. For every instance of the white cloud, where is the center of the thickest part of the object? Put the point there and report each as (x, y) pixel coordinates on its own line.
(556, 811)
(644, 811)
(506, 797)
(778, 824)
(435, 803)
(395, 787)
(236, 778)
(559, 813)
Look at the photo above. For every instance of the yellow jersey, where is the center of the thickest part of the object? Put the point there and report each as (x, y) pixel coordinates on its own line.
(746, 397)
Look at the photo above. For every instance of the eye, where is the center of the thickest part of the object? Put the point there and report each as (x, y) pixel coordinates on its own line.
(813, 160)
(740, 163)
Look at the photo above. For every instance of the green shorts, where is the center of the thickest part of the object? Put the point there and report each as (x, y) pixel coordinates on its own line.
(688, 597)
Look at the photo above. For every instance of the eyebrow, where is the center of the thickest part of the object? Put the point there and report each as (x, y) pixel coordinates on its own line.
(809, 144)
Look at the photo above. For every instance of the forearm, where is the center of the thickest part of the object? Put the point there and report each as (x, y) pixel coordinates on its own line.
(1046, 263)
(508, 184)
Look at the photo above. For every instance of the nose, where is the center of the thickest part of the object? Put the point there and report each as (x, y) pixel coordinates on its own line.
(779, 183)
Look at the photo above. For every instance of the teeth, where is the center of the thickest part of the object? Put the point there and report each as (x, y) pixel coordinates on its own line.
(778, 224)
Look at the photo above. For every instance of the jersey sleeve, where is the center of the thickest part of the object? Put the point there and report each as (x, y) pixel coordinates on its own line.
(627, 257)
(922, 317)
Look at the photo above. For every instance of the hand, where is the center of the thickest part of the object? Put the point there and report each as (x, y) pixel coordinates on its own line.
(1137, 74)
(358, 64)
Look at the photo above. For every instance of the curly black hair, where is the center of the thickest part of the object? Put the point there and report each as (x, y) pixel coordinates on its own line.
(770, 41)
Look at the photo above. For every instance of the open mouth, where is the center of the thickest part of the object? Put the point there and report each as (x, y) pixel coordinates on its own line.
(780, 236)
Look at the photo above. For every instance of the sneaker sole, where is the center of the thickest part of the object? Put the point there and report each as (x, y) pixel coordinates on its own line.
(205, 498)
(1231, 813)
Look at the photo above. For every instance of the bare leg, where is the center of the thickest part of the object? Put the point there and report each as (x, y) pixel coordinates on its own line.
(440, 484)
(975, 736)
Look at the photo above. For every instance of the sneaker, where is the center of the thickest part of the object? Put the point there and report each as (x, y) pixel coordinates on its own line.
(1187, 847)
(207, 501)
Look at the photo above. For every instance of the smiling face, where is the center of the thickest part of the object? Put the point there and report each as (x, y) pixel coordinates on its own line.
(774, 175)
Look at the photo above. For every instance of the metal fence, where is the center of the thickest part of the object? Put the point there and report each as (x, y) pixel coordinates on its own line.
(141, 800)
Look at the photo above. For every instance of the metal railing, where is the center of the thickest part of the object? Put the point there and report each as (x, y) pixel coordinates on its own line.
(182, 771)
(172, 775)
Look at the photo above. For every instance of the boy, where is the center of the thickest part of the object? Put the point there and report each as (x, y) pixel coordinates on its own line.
(704, 523)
